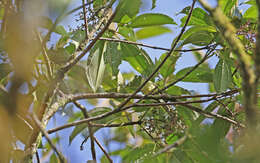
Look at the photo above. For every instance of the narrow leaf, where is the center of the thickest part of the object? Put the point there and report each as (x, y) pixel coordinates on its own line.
(96, 65)
(222, 76)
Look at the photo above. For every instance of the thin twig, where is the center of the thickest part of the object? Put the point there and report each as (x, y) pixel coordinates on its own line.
(59, 154)
(153, 47)
(45, 55)
(91, 133)
(116, 125)
(38, 157)
(104, 151)
(193, 108)
(115, 95)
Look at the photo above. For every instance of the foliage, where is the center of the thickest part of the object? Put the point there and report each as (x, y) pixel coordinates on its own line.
(40, 75)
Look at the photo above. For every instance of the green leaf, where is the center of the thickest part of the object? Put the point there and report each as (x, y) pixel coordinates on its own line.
(60, 30)
(251, 13)
(71, 48)
(96, 65)
(171, 138)
(53, 158)
(176, 90)
(78, 72)
(2, 11)
(222, 76)
(199, 75)
(169, 66)
(151, 32)
(62, 41)
(200, 38)
(59, 56)
(139, 60)
(187, 115)
(138, 153)
(126, 7)
(77, 130)
(227, 6)
(151, 19)
(198, 28)
(113, 56)
(199, 17)
(79, 35)
(127, 32)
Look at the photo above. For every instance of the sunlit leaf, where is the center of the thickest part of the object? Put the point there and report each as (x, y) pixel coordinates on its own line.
(151, 19)
(151, 32)
(251, 13)
(227, 6)
(199, 17)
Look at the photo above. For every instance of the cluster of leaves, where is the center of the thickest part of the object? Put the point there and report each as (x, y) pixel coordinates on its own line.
(206, 139)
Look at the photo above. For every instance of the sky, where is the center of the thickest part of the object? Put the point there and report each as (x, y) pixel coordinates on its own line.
(168, 7)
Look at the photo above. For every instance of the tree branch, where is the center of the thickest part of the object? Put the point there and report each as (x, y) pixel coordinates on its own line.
(153, 47)
(59, 154)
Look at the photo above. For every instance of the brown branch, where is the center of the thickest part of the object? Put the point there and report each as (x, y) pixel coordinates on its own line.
(38, 124)
(104, 151)
(166, 97)
(116, 125)
(153, 47)
(193, 108)
(38, 157)
(103, 125)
